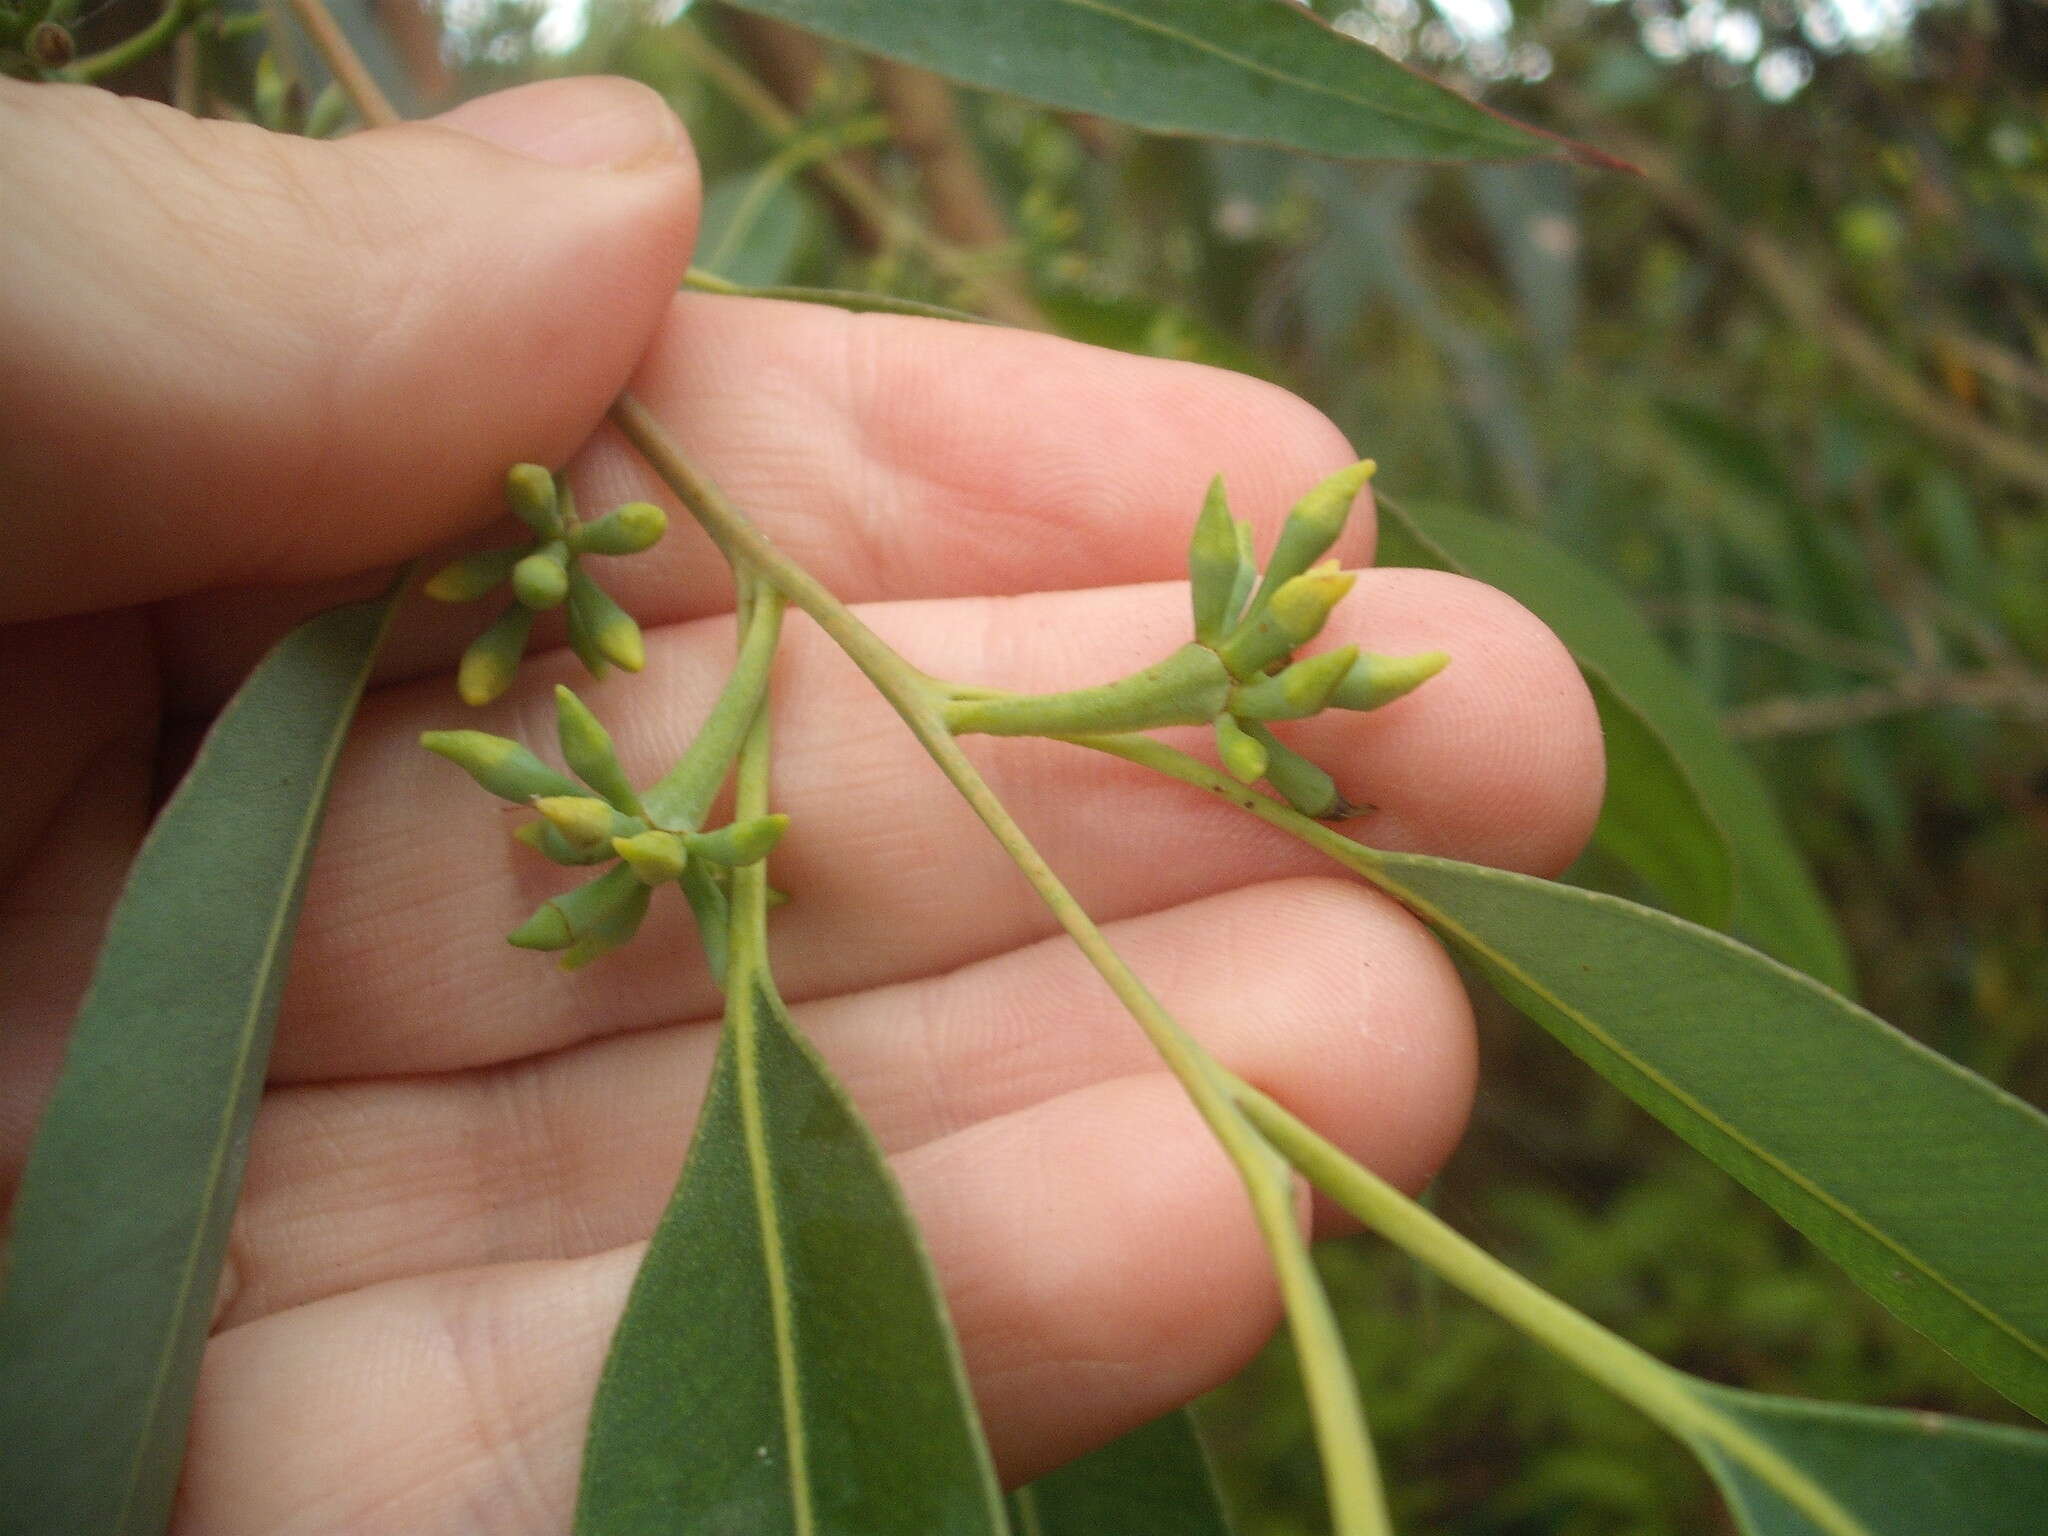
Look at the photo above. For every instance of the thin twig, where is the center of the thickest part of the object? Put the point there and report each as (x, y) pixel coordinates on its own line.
(2009, 694)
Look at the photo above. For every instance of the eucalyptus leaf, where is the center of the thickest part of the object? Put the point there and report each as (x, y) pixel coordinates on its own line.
(1900, 1473)
(1262, 70)
(1654, 819)
(1921, 1179)
(784, 1363)
(1775, 904)
(122, 1218)
(1154, 1481)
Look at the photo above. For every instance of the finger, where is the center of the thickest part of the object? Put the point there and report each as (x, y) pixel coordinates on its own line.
(1322, 992)
(236, 356)
(1097, 1252)
(401, 964)
(899, 458)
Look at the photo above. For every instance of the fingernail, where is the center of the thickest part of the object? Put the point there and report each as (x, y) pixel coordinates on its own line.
(597, 122)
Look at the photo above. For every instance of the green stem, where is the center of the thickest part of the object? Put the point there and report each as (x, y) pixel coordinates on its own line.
(786, 162)
(684, 794)
(748, 962)
(1635, 1377)
(701, 281)
(1356, 1499)
(1190, 687)
(133, 49)
(1658, 1392)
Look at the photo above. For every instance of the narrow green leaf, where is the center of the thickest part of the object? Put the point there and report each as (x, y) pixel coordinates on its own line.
(1154, 1481)
(784, 1363)
(1921, 1179)
(1262, 70)
(123, 1213)
(1776, 904)
(1654, 819)
(1900, 1473)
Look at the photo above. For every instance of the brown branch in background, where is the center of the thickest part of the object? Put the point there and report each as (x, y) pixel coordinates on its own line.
(2011, 694)
(371, 104)
(792, 63)
(971, 270)
(1806, 302)
(2001, 367)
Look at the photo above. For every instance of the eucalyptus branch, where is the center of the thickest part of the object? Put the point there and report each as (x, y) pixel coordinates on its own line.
(1357, 1501)
(132, 50)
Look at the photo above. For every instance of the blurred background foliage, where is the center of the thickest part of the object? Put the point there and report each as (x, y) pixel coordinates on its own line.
(1787, 386)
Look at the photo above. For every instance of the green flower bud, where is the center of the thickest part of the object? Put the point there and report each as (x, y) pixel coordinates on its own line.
(503, 767)
(588, 747)
(1376, 680)
(1312, 527)
(329, 111)
(1247, 566)
(1293, 616)
(1304, 689)
(581, 819)
(492, 660)
(1243, 757)
(625, 530)
(550, 844)
(49, 45)
(589, 921)
(1215, 562)
(712, 909)
(469, 578)
(609, 629)
(744, 842)
(656, 857)
(530, 492)
(541, 580)
(1301, 783)
(271, 94)
(584, 645)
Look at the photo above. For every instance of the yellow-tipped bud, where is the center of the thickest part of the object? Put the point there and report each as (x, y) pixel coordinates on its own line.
(1294, 616)
(625, 530)
(492, 660)
(587, 746)
(608, 628)
(467, 579)
(656, 857)
(503, 767)
(530, 493)
(1376, 680)
(541, 580)
(579, 818)
(550, 844)
(588, 921)
(1244, 759)
(1301, 690)
(1312, 527)
(744, 842)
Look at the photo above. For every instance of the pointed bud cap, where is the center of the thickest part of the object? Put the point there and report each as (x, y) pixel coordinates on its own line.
(469, 578)
(550, 844)
(587, 746)
(1304, 604)
(1312, 527)
(656, 857)
(581, 819)
(1214, 566)
(492, 660)
(1303, 689)
(607, 909)
(530, 493)
(541, 580)
(625, 530)
(1376, 680)
(503, 767)
(610, 629)
(744, 842)
(1300, 782)
(1244, 759)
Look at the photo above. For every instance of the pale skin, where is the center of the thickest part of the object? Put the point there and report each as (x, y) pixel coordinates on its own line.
(244, 376)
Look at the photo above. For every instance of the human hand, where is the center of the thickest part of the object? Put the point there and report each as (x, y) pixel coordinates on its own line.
(245, 371)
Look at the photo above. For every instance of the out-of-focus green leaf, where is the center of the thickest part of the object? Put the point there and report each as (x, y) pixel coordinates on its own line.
(1901, 1474)
(122, 1218)
(1920, 1179)
(1156, 330)
(1776, 904)
(1653, 818)
(1262, 70)
(1530, 210)
(784, 1363)
(753, 226)
(1153, 1482)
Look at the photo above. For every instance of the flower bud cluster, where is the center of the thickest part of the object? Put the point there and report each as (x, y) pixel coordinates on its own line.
(545, 573)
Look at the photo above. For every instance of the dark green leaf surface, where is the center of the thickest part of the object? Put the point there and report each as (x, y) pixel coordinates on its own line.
(784, 1363)
(1776, 905)
(1263, 70)
(1922, 1180)
(1153, 1482)
(1901, 1474)
(124, 1210)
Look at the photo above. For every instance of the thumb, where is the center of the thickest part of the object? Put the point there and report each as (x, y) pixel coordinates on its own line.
(235, 356)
